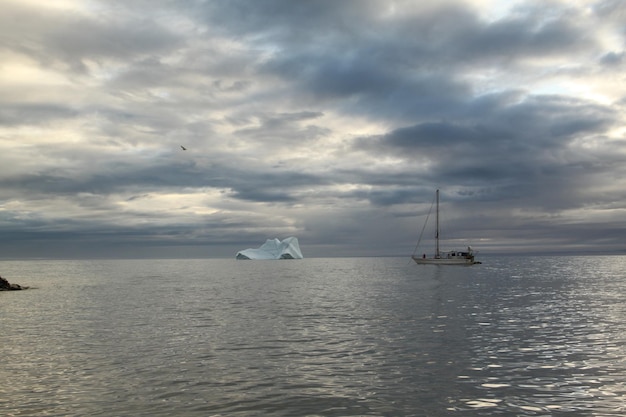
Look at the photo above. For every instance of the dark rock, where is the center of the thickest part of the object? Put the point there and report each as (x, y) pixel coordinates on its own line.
(7, 286)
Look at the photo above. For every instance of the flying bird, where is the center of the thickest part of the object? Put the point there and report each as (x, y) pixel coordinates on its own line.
(183, 148)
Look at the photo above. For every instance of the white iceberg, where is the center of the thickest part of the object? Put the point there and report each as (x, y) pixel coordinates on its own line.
(274, 249)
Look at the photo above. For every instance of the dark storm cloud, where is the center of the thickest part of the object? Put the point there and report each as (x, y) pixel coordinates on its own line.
(330, 120)
(530, 34)
(286, 20)
(250, 184)
(359, 65)
(522, 132)
(523, 153)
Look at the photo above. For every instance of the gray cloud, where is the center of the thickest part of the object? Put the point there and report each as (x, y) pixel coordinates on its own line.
(331, 121)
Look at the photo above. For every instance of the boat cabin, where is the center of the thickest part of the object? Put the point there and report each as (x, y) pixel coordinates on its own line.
(456, 255)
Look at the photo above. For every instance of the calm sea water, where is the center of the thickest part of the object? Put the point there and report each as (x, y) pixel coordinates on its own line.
(531, 336)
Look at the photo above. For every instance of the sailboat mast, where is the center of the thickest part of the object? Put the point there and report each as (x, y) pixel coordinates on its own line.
(437, 232)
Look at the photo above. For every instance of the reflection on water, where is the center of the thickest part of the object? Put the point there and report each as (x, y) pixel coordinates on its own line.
(327, 337)
(550, 339)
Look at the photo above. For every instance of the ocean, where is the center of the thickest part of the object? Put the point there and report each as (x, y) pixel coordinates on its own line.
(515, 336)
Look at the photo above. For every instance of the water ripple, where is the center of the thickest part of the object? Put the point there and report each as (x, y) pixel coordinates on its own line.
(325, 337)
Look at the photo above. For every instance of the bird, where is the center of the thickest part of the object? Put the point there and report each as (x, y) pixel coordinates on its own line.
(183, 148)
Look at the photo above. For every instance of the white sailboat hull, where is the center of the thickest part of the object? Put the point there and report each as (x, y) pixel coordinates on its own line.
(443, 261)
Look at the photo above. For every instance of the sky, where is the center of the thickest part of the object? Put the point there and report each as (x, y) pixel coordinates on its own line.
(331, 121)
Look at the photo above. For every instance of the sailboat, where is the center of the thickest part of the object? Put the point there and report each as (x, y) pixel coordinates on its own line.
(465, 257)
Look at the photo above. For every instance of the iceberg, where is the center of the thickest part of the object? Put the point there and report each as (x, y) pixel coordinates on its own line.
(273, 249)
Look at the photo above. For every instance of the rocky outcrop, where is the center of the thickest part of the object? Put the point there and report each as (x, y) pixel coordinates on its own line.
(7, 286)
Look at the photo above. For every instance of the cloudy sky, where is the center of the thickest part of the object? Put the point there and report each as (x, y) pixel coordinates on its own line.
(332, 121)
